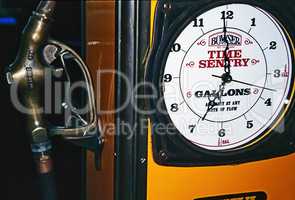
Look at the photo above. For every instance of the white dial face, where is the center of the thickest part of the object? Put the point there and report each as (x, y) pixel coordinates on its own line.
(228, 77)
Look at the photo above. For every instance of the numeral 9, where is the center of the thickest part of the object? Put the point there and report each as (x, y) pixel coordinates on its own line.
(167, 78)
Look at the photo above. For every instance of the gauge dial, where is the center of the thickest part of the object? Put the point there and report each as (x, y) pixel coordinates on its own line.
(228, 77)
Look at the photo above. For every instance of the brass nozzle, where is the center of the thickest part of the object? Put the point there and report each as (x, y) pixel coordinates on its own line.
(46, 8)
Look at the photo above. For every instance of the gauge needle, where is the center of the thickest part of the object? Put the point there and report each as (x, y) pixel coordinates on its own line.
(226, 77)
(250, 84)
(214, 102)
(226, 58)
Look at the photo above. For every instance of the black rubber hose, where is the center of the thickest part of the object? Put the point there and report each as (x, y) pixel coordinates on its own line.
(47, 186)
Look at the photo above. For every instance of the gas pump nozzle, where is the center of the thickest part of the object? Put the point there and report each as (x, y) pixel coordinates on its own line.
(27, 73)
(33, 65)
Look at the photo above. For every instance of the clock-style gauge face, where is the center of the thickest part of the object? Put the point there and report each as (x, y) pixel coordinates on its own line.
(228, 78)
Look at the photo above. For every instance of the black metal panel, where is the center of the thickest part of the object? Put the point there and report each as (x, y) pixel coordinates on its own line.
(132, 42)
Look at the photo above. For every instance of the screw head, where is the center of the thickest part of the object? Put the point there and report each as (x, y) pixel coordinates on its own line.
(167, 6)
(143, 160)
(163, 155)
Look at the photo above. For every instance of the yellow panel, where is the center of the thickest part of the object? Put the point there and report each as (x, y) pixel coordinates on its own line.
(276, 177)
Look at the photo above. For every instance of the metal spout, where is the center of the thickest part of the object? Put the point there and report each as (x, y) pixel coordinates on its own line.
(46, 8)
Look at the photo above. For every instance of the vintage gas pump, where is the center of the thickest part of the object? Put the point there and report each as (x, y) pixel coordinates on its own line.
(232, 135)
(195, 98)
(218, 101)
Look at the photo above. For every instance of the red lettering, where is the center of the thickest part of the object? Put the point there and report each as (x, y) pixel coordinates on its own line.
(238, 53)
(237, 62)
(220, 54)
(211, 63)
(216, 59)
(211, 54)
(246, 61)
(219, 63)
(202, 64)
